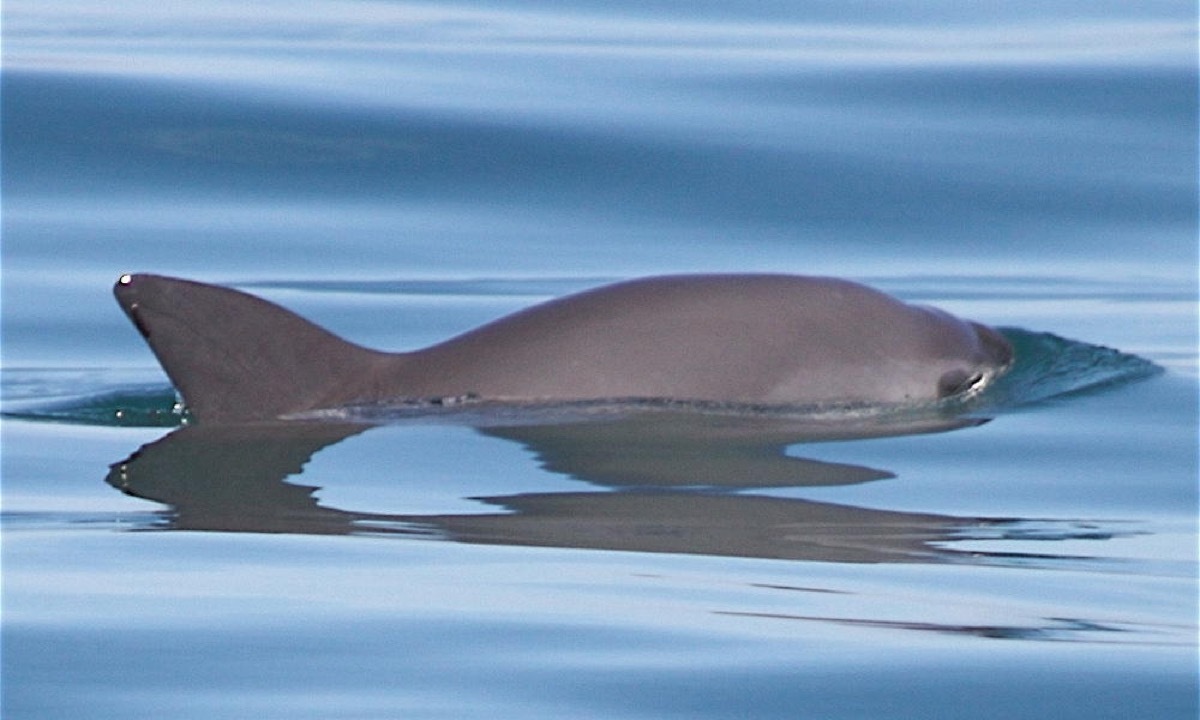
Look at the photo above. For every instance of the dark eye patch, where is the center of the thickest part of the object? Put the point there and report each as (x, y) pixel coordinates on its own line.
(955, 382)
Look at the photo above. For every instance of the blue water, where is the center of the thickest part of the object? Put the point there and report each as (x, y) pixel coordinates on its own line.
(400, 172)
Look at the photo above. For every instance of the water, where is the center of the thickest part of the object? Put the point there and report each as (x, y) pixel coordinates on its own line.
(400, 172)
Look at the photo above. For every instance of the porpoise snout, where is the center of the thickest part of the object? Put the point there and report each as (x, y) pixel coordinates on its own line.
(996, 356)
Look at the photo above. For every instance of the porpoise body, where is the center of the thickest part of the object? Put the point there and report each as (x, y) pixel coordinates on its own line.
(759, 339)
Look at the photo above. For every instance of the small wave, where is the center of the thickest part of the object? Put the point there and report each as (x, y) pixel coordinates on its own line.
(1048, 366)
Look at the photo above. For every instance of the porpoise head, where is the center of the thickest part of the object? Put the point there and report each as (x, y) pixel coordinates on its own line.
(993, 358)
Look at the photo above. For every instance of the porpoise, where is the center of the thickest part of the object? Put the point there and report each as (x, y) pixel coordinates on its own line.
(756, 339)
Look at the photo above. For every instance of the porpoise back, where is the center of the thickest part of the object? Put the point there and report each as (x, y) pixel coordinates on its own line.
(773, 339)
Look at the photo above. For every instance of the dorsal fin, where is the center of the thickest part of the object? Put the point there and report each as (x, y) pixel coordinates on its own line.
(237, 358)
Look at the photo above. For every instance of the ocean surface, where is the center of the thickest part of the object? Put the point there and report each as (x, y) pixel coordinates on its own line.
(400, 172)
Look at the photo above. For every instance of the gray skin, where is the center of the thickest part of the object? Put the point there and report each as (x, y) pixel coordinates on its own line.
(763, 339)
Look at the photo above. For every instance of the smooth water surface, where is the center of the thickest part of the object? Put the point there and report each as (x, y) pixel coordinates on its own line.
(400, 172)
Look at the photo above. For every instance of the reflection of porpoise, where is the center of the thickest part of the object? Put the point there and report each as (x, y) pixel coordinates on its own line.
(728, 338)
(248, 478)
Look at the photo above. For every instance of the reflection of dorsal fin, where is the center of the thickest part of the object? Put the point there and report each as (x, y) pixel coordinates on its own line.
(235, 357)
(232, 477)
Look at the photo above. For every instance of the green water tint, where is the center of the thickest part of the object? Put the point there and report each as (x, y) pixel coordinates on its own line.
(123, 407)
(1046, 366)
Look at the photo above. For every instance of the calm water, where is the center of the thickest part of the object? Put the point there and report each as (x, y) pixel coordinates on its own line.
(400, 172)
